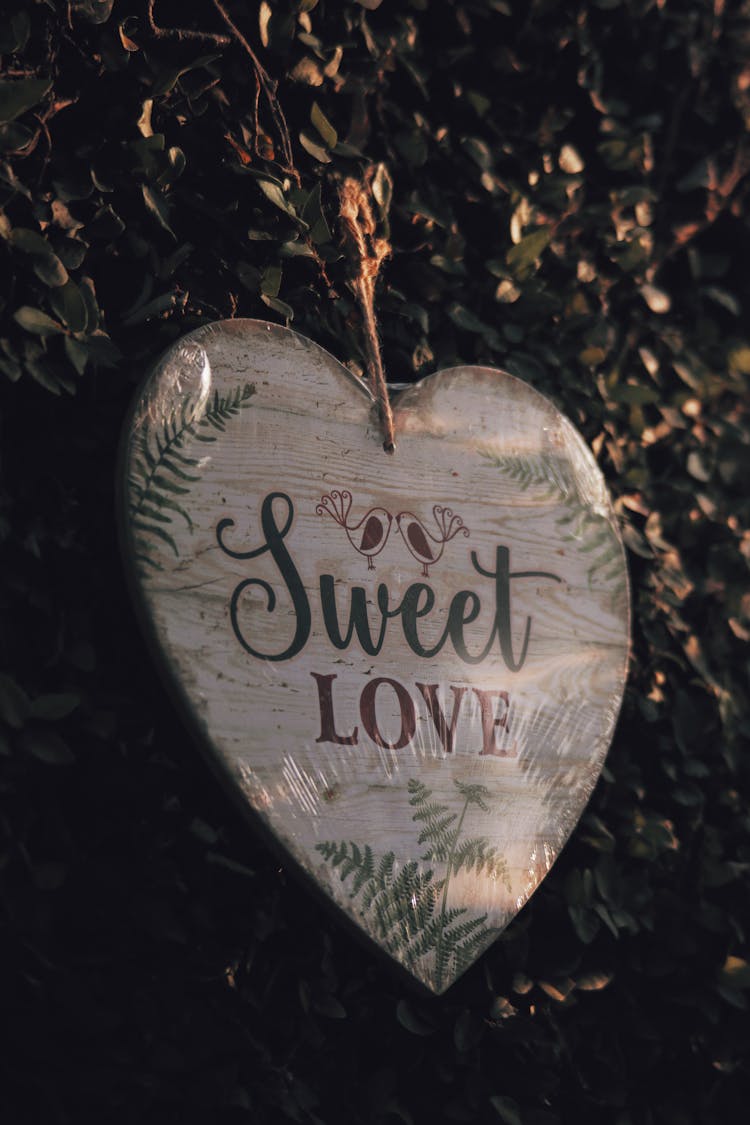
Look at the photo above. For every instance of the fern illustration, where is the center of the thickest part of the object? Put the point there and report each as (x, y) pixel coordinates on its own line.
(595, 537)
(442, 833)
(540, 471)
(162, 473)
(590, 530)
(407, 909)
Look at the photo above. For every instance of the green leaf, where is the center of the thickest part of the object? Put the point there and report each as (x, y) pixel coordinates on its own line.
(54, 706)
(29, 241)
(479, 151)
(315, 149)
(46, 264)
(48, 747)
(507, 1109)
(414, 1022)
(169, 78)
(18, 96)
(382, 190)
(93, 11)
(278, 306)
(157, 205)
(51, 271)
(271, 281)
(585, 922)
(14, 33)
(521, 258)
(71, 252)
(329, 1006)
(77, 352)
(36, 321)
(634, 394)
(324, 126)
(14, 702)
(69, 304)
(275, 193)
(312, 214)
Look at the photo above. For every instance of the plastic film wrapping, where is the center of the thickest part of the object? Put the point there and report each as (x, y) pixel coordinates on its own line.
(410, 666)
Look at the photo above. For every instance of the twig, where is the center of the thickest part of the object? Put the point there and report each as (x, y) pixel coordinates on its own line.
(721, 194)
(182, 34)
(269, 87)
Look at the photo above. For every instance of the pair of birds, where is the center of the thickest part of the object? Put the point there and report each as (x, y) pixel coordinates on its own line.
(370, 535)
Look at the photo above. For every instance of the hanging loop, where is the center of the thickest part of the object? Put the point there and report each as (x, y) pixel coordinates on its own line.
(368, 252)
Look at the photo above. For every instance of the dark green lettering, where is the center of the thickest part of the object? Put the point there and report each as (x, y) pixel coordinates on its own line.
(274, 543)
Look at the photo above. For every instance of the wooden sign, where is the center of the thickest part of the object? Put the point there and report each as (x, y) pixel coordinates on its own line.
(409, 665)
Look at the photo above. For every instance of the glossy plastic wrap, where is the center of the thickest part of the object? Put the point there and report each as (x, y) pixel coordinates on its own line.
(410, 666)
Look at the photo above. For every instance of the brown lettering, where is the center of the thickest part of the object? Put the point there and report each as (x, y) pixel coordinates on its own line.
(446, 733)
(327, 717)
(369, 718)
(492, 719)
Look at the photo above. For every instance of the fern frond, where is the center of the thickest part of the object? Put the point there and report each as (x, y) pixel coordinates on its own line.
(177, 469)
(166, 485)
(437, 824)
(159, 532)
(419, 793)
(429, 812)
(552, 477)
(479, 856)
(166, 505)
(474, 794)
(468, 950)
(439, 831)
(406, 907)
(458, 931)
(539, 471)
(160, 470)
(429, 938)
(594, 536)
(145, 559)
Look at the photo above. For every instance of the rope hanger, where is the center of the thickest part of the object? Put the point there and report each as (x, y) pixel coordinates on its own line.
(368, 253)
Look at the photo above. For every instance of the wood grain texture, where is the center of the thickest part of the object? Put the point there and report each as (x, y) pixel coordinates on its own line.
(431, 839)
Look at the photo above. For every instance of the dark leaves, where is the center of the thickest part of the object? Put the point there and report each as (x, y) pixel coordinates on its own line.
(566, 189)
(19, 95)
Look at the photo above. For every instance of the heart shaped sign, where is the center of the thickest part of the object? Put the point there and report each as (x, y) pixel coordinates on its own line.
(409, 665)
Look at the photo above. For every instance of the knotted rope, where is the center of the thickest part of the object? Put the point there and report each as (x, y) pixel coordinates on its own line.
(368, 253)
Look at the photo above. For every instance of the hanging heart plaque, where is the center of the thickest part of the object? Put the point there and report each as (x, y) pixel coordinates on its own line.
(409, 666)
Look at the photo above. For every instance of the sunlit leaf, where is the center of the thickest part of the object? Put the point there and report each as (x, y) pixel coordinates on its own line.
(522, 257)
(324, 126)
(36, 321)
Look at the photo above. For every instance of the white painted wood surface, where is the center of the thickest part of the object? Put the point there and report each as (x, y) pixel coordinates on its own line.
(289, 419)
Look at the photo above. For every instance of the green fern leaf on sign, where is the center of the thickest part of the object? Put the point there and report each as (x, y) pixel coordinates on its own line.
(590, 530)
(540, 471)
(406, 908)
(161, 473)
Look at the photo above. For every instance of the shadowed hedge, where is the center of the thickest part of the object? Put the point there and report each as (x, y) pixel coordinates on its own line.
(563, 186)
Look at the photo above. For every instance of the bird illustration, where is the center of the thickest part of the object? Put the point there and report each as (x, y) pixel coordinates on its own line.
(420, 541)
(370, 535)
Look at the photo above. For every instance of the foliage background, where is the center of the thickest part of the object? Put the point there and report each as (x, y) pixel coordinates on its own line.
(569, 182)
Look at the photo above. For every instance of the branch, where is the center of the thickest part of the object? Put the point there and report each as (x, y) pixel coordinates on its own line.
(722, 193)
(182, 34)
(266, 84)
